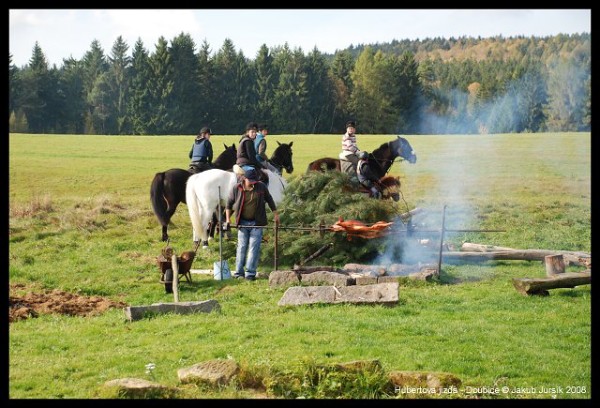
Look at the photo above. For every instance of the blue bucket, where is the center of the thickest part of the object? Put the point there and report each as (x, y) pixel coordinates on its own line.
(221, 274)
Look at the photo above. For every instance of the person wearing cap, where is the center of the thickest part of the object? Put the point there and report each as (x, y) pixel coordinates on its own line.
(246, 152)
(366, 176)
(348, 156)
(260, 144)
(201, 153)
(248, 199)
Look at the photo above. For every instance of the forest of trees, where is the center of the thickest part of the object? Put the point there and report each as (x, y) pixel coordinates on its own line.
(432, 86)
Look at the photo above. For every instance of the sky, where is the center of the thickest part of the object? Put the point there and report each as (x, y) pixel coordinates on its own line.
(65, 33)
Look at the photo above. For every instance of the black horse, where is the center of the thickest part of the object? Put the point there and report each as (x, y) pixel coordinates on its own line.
(380, 159)
(282, 158)
(168, 188)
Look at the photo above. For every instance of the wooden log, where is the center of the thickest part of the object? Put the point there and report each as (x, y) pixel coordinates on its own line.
(555, 265)
(319, 252)
(412, 212)
(470, 247)
(576, 258)
(540, 286)
(514, 255)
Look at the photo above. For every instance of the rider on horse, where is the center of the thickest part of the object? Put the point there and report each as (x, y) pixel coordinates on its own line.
(366, 176)
(348, 156)
(201, 153)
(246, 154)
(260, 144)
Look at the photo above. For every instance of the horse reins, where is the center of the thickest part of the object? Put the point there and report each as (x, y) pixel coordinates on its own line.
(278, 166)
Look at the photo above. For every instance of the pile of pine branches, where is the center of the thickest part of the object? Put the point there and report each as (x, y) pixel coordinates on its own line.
(322, 198)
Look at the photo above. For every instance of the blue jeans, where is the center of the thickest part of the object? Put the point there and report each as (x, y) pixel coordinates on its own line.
(248, 249)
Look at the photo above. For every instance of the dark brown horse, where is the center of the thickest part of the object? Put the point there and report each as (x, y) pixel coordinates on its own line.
(168, 188)
(389, 186)
(380, 159)
(282, 158)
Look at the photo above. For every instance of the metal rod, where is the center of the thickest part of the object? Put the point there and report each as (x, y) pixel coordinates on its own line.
(327, 229)
(447, 230)
(220, 229)
(442, 238)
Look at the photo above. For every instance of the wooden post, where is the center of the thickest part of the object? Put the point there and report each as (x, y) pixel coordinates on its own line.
(555, 264)
(175, 267)
(275, 254)
(442, 238)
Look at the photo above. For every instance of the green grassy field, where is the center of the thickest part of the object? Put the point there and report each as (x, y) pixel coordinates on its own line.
(80, 220)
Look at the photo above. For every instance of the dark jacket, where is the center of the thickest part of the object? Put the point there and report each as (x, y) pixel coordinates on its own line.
(246, 153)
(365, 175)
(201, 151)
(236, 199)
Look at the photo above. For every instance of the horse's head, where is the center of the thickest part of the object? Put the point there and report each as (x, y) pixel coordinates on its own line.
(401, 148)
(230, 151)
(282, 157)
(390, 187)
(227, 158)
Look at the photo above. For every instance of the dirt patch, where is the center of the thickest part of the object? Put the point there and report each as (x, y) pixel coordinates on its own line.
(32, 304)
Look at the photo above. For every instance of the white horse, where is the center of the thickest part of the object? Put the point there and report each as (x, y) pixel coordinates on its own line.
(202, 196)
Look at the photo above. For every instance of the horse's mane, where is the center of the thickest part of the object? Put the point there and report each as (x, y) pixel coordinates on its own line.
(382, 147)
(389, 181)
(387, 145)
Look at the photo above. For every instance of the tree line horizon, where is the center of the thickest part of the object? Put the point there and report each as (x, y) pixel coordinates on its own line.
(459, 85)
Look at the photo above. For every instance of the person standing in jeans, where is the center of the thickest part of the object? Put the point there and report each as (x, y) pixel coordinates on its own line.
(248, 199)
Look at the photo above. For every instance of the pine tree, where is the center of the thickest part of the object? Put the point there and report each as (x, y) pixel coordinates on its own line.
(139, 106)
(119, 79)
(183, 101)
(266, 81)
(94, 65)
(161, 87)
(207, 89)
(72, 90)
(226, 67)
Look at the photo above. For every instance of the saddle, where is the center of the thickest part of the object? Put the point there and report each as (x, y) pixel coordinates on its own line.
(198, 167)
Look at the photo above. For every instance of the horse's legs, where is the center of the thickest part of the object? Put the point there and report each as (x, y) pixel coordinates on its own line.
(172, 206)
(212, 226)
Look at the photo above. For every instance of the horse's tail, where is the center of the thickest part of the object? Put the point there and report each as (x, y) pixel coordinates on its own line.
(197, 214)
(157, 197)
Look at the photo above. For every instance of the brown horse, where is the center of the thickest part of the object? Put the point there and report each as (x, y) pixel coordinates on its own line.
(380, 159)
(389, 186)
